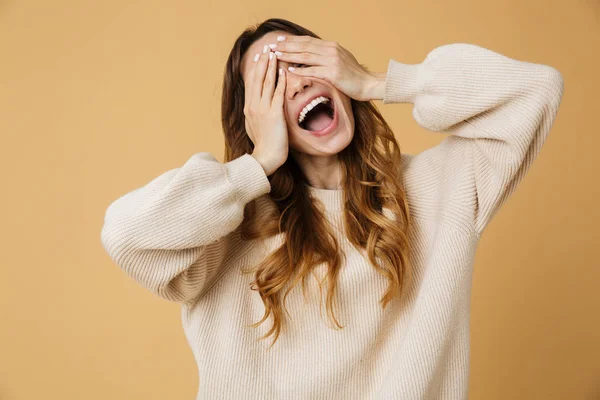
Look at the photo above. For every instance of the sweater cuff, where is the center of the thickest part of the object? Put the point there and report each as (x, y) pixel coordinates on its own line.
(400, 82)
(247, 177)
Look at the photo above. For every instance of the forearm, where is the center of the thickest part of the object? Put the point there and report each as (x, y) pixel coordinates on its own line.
(173, 233)
(497, 110)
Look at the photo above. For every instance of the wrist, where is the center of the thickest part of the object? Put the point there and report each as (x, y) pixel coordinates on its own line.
(266, 166)
(376, 86)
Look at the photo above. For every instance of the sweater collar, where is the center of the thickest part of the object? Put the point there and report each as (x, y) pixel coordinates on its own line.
(332, 199)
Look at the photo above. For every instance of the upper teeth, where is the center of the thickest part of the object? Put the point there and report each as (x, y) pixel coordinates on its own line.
(310, 106)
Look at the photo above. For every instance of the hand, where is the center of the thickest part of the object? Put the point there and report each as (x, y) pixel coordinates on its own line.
(330, 61)
(263, 108)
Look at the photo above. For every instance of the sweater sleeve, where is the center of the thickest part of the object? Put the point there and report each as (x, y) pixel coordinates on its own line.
(498, 112)
(173, 234)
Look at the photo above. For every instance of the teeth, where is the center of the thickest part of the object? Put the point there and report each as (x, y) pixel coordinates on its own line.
(310, 106)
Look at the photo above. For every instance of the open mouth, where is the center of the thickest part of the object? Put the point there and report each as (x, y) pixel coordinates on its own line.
(320, 117)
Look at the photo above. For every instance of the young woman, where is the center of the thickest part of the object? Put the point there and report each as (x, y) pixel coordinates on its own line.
(314, 190)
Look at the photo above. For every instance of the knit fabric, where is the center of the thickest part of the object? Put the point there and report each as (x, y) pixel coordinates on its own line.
(178, 236)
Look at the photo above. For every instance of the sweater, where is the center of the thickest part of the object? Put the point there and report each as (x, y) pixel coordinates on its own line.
(178, 237)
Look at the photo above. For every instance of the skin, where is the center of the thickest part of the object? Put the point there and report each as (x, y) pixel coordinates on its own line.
(317, 157)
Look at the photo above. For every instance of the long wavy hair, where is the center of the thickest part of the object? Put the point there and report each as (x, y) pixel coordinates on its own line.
(371, 182)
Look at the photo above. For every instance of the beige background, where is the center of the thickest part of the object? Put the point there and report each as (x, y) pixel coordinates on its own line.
(99, 97)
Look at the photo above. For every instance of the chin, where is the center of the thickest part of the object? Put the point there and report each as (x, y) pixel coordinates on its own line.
(334, 144)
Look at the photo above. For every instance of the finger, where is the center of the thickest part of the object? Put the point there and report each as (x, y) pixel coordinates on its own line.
(304, 58)
(300, 44)
(248, 83)
(259, 75)
(270, 79)
(280, 89)
(317, 72)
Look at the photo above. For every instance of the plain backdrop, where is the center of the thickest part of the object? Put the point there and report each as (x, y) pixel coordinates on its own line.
(99, 97)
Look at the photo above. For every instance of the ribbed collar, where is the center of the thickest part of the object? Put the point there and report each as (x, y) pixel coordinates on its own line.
(332, 199)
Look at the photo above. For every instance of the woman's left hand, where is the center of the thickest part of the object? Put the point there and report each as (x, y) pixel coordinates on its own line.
(329, 61)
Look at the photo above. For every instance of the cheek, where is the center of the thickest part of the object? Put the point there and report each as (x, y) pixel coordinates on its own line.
(297, 141)
(291, 125)
(347, 112)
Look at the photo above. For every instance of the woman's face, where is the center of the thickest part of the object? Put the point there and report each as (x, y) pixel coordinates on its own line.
(299, 90)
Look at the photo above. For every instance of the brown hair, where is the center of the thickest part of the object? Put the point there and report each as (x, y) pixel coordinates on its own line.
(371, 180)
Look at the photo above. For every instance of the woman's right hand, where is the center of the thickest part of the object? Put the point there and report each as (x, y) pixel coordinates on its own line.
(263, 108)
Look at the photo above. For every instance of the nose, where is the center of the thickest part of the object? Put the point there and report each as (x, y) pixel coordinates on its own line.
(296, 84)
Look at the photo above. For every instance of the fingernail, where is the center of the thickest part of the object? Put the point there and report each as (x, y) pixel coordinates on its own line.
(291, 68)
(280, 38)
(278, 53)
(265, 48)
(280, 71)
(270, 55)
(272, 45)
(256, 57)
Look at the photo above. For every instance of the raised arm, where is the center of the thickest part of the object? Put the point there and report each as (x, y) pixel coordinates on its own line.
(172, 235)
(498, 111)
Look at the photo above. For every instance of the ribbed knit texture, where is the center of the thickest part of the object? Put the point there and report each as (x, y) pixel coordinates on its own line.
(177, 236)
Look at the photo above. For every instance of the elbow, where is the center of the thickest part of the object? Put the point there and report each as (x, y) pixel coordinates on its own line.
(553, 85)
(544, 100)
(108, 240)
(114, 239)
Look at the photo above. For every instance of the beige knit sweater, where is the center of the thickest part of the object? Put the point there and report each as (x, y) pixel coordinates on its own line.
(177, 236)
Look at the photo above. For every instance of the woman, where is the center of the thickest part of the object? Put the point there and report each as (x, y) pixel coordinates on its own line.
(321, 194)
